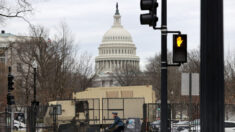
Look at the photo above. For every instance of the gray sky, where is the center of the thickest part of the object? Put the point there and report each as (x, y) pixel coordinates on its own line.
(90, 19)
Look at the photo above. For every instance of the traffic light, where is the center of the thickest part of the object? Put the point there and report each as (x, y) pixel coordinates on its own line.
(10, 99)
(151, 17)
(180, 48)
(10, 82)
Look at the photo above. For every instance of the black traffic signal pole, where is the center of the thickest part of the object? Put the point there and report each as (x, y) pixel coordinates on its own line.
(165, 123)
(212, 66)
(151, 19)
(164, 106)
(165, 119)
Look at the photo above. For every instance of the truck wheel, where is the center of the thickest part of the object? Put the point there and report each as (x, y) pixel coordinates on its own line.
(15, 128)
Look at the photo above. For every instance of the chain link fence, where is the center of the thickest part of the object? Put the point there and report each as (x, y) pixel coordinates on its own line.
(182, 117)
(91, 115)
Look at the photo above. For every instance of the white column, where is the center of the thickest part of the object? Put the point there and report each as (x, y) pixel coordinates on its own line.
(100, 65)
(103, 64)
(106, 64)
(109, 64)
(112, 65)
(97, 65)
(118, 63)
(121, 64)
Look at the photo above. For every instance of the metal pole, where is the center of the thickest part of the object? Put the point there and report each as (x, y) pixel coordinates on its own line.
(34, 102)
(164, 109)
(212, 66)
(34, 86)
(6, 120)
(12, 119)
(9, 106)
(54, 117)
(190, 100)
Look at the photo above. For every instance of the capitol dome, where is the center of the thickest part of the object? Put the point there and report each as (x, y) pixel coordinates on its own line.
(117, 48)
(117, 34)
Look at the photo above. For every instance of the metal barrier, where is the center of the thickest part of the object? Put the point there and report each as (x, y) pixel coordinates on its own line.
(125, 107)
(4, 121)
(180, 117)
(38, 116)
(25, 120)
(50, 119)
(86, 117)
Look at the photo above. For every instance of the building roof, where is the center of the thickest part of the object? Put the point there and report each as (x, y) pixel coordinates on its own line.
(117, 46)
(6, 35)
(117, 33)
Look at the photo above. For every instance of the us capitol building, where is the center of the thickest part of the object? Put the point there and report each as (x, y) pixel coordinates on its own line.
(116, 51)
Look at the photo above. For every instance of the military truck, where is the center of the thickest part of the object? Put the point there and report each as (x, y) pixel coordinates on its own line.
(72, 110)
(94, 113)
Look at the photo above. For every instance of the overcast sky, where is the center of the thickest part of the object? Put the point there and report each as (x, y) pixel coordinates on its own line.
(90, 19)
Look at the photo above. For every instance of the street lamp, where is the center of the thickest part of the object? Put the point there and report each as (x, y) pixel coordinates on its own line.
(34, 80)
(35, 103)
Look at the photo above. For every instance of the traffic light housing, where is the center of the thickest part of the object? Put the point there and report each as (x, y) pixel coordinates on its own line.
(151, 17)
(10, 82)
(180, 48)
(10, 99)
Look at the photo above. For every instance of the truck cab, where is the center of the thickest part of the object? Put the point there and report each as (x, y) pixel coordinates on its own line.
(66, 111)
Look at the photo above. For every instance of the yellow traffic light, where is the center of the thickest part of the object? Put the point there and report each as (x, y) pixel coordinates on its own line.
(179, 48)
(179, 41)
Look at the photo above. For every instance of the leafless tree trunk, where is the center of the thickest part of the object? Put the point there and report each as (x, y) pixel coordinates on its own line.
(3, 85)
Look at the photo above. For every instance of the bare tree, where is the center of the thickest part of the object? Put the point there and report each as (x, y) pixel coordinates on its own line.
(230, 80)
(14, 9)
(126, 75)
(193, 64)
(84, 72)
(153, 71)
(55, 63)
